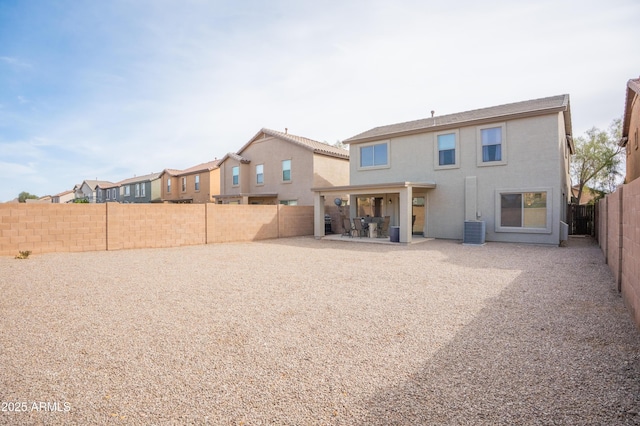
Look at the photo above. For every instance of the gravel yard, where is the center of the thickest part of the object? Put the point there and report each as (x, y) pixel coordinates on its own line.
(299, 331)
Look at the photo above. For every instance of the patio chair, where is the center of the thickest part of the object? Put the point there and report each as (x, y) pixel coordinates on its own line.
(383, 231)
(357, 224)
(348, 229)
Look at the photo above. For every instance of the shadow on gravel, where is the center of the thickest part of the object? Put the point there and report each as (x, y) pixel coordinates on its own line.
(555, 347)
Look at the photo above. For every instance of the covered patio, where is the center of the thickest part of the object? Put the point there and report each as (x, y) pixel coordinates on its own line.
(396, 200)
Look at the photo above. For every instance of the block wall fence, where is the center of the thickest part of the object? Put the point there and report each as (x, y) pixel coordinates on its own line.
(46, 228)
(619, 238)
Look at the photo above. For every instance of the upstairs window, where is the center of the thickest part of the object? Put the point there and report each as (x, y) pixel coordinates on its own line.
(235, 175)
(137, 189)
(491, 144)
(446, 150)
(197, 186)
(127, 190)
(492, 148)
(184, 184)
(142, 189)
(374, 155)
(260, 174)
(286, 171)
(114, 194)
(169, 185)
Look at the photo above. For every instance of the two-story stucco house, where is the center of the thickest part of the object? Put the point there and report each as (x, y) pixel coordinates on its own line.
(280, 168)
(197, 184)
(630, 125)
(107, 192)
(506, 166)
(141, 189)
(87, 189)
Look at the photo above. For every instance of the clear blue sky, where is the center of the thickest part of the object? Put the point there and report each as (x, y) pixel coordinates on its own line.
(112, 89)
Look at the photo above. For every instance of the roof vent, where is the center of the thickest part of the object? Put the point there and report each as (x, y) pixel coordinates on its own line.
(286, 130)
(432, 113)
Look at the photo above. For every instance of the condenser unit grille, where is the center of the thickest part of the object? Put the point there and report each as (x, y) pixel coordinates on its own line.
(474, 231)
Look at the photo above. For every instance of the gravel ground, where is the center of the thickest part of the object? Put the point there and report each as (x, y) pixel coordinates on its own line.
(299, 331)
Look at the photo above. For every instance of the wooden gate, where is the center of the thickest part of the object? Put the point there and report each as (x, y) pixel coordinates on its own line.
(581, 219)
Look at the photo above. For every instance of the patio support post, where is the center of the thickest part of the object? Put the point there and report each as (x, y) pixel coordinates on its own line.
(353, 206)
(406, 198)
(318, 215)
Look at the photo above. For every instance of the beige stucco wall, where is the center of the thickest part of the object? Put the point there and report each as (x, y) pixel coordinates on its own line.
(533, 163)
(209, 186)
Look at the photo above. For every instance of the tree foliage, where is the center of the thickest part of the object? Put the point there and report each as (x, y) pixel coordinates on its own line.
(597, 160)
(24, 196)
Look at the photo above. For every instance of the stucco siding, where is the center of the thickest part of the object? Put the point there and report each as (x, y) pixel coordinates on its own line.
(532, 154)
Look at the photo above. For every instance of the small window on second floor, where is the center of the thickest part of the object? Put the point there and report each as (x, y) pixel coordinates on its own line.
(197, 186)
(260, 174)
(127, 190)
(286, 170)
(235, 178)
(446, 150)
(184, 184)
(114, 195)
(142, 189)
(169, 185)
(492, 145)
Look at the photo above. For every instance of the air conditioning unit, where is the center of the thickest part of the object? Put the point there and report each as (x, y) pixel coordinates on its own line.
(474, 231)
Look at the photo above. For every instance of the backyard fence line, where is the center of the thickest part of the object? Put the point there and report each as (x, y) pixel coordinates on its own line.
(45, 228)
(618, 231)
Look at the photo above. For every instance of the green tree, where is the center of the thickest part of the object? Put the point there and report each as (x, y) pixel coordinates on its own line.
(597, 160)
(23, 196)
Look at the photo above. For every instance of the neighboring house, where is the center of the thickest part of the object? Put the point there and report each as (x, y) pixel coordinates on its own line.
(63, 197)
(141, 189)
(87, 189)
(197, 184)
(280, 168)
(630, 124)
(46, 199)
(506, 166)
(107, 192)
(589, 195)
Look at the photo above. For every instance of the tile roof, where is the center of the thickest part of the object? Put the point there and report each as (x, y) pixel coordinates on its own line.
(143, 178)
(93, 183)
(317, 147)
(531, 107)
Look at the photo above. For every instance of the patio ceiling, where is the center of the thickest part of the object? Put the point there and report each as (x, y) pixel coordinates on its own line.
(372, 188)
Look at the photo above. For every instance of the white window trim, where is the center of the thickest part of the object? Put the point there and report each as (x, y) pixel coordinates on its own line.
(436, 151)
(363, 145)
(503, 146)
(498, 212)
(143, 191)
(137, 190)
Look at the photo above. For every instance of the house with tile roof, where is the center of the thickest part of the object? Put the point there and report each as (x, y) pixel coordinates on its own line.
(141, 189)
(280, 168)
(63, 197)
(504, 168)
(630, 124)
(197, 184)
(87, 189)
(107, 192)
